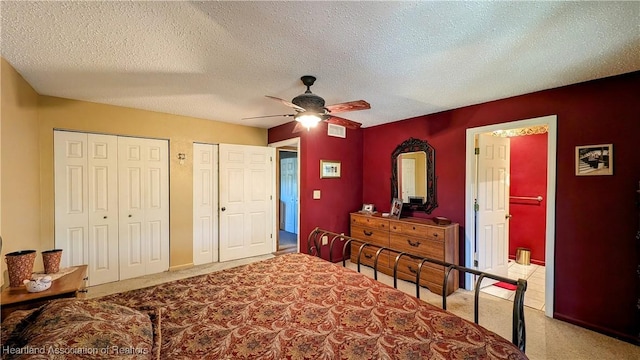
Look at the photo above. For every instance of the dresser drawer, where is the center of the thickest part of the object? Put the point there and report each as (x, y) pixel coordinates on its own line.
(431, 275)
(375, 236)
(434, 287)
(419, 230)
(417, 246)
(369, 255)
(430, 272)
(370, 222)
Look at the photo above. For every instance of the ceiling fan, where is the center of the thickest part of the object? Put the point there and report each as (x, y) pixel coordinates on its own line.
(310, 109)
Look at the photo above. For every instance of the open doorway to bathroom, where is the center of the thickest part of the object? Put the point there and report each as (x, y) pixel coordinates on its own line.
(525, 213)
(529, 207)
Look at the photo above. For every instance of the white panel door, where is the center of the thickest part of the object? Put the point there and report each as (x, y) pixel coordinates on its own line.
(205, 203)
(493, 204)
(246, 201)
(156, 211)
(71, 200)
(103, 208)
(143, 182)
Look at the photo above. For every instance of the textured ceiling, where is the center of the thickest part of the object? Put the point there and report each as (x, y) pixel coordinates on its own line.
(217, 60)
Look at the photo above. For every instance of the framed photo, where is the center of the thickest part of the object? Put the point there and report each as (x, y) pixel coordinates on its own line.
(594, 160)
(396, 208)
(330, 169)
(368, 208)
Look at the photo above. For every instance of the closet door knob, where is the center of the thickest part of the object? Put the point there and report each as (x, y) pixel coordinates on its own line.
(223, 208)
(104, 217)
(130, 215)
(508, 216)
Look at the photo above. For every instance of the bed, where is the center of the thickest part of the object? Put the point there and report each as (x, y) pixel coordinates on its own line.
(294, 306)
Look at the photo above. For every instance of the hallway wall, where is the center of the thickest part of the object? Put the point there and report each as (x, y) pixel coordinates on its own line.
(338, 196)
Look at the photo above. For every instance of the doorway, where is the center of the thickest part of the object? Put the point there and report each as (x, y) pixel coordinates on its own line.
(288, 198)
(288, 189)
(472, 250)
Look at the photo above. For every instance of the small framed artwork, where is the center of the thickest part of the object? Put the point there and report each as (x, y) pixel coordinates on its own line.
(330, 169)
(594, 160)
(367, 208)
(396, 208)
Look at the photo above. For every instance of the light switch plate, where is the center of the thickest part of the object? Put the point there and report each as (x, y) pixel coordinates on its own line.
(316, 194)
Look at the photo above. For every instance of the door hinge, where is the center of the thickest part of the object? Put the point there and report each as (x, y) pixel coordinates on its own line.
(476, 151)
(476, 206)
(475, 259)
(271, 236)
(475, 263)
(270, 197)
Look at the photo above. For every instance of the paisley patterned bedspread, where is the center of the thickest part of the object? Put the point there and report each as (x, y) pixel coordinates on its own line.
(297, 306)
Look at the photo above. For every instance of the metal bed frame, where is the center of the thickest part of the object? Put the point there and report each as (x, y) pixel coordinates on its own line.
(314, 243)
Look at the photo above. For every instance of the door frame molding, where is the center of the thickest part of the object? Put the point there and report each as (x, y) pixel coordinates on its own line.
(293, 142)
(470, 167)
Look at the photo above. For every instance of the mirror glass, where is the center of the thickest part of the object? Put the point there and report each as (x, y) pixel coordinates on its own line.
(413, 175)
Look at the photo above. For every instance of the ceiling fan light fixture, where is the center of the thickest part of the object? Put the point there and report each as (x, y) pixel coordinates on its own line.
(308, 119)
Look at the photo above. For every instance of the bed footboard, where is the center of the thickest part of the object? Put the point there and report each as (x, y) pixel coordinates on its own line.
(314, 245)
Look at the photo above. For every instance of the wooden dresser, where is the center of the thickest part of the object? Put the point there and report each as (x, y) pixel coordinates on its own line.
(417, 236)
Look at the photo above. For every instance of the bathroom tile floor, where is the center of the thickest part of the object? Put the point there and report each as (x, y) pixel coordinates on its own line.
(535, 276)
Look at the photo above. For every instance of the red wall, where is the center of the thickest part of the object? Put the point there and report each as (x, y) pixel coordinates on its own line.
(596, 216)
(340, 196)
(529, 179)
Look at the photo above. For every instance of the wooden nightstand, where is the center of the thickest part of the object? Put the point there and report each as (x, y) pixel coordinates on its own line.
(68, 286)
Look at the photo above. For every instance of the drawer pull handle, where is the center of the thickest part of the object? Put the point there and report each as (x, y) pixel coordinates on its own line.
(414, 228)
(368, 256)
(367, 233)
(412, 270)
(435, 234)
(83, 291)
(414, 244)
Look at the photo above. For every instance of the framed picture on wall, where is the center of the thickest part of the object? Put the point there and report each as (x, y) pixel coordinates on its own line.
(330, 169)
(594, 160)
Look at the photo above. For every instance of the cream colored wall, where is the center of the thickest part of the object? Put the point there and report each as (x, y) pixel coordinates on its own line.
(181, 131)
(26, 157)
(20, 174)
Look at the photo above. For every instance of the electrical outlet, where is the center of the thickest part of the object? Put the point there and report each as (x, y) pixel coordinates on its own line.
(325, 240)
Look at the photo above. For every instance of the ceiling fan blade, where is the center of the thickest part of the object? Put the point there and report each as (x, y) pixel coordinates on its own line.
(289, 104)
(350, 124)
(266, 116)
(349, 106)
